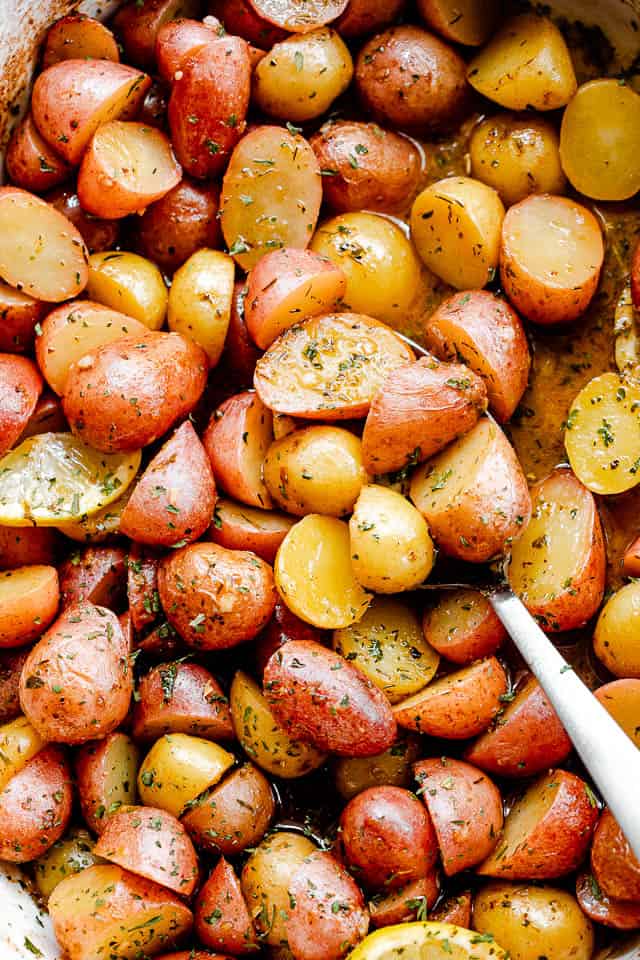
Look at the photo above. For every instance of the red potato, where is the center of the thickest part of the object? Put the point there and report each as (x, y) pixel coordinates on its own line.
(551, 255)
(621, 698)
(287, 286)
(283, 627)
(174, 498)
(419, 409)
(142, 586)
(29, 598)
(619, 914)
(404, 905)
(90, 698)
(320, 697)
(229, 596)
(35, 806)
(222, 920)
(236, 440)
(209, 104)
(240, 353)
(614, 865)
(151, 843)
(177, 40)
(298, 16)
(25, 546)
(455, 909)
(19, 314)
(138, 26)
(46, 418)
(95, 574)
(388, 838)
(30, 162)
(239, 17)
(526, 739)
(463, 626)
(163, 642)
(481, 330)
(465, 807)
(106, 773)
(72, 98)
(11, 664)
(153, 110)
(634, 269)
(459, 705)
(99, 235)
(363, 17)
(193, 955)
(54, 271)
(238, 527)
(547, 832)
(126, 167)
(20, 387)
(125, 395)
(78, 37)
(180, 698)
(181, 222)
(631, 559)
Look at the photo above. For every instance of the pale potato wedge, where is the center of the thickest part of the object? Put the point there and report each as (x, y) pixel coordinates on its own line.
(615, 641)
(78, 37)
(67, 856)
(238, 527)
(237, 440)
(469, 22)
(106, 774)
(462, 626)
(178, 768)
(19, 743)
(128, 283)
(352, 775)
(200, 300)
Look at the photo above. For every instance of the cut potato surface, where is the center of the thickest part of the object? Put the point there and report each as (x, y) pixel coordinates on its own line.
(463, 626)
(200, 300)
(29, 598)
(178, 768)
(129, 283)
(627, 343)
(621, 698)
(78, 37)
(427, 941)
(106, 776)
(616, 640)
(19, 743)
(462, 21)
(299, 16)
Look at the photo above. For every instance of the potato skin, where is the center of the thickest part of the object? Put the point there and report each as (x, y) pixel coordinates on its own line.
(100, 765)
(30, 161)
(19, 314)
(319, 696)
(178, 39)
(463, 626)
(35, 806)
(29, 602)
(240, 353)
(283, 626)
(240, 527)
(612, 860)
(239, 17)
(236, 441)
(180, 698)
(98, 234)
(25, 546)
(614, 639)
(142, 586)
(20, 387)
(230, 595)
(11, 663)
(366, 16)
(235, 815)
(221, 915)
(95, 574)
(619, 914)
(403, 905)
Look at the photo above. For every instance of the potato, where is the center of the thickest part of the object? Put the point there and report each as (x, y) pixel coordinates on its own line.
(53, 271)
(462, 626)
(465, 807)
(162, 642)
(221, 915)
(20, 387)
(96, 574)
(614, 865)
(238, 527)
(30, 162)
(298, 16)
(547, 832)
(19, 743)
(240, 18)
(314, 575)
(151, 843)
(363, 17)
(526, 739)
(11, 663)
(19, 314)
(106, 777)
(533, 921)
(619, 914)
(142, 586)
(180, 223)
(99, 526)
(516, 156)
(178, 768)
(635, 275)
(237, 440)
(72, 98)
(410, 79)
(216, 598)
(234, 815)
(180, 698)
(283, 626)
(208, 105)
(97, 234)
(380, 264)
(129, 283)
(406, 904)
(138, 25)
(550, 258)
(301, 77)
(329, 368)
(271, 194)
(388, 838)
(178, 39)
(47, 417)
(35, 806)
(125, 395)
(391, 549)
(309, 687)
(419, 409)
(455, 909)
(459, 705)
(200, 300)
(89, 700)
(455, 226)
(470, 22)
(125, 168)
(474, 495)
(105, 909)
(392, 767)
(621, 698)
(78, 37)
(26, 546)
(526, 65)
(240, 353)
(67, 856)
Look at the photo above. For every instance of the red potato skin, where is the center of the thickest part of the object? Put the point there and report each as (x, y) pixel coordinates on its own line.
(320, 697)
(463, 648)
(421, 406)
(239, 18)
(631, 559)
(477, 324)
(94, 574)
(153, 110)
(465, 807)
(314, 930)
(402, 906)
(455, 909)
(151, 843)
(244, 536)
(214, 87)
(46, 418)
(363, 17)
(226, 440)
(180, 698)
(138, 26)
(388, 838)
(98, 234)
(181, 222)
(91, 769)
(20, 388)
(619, 914)
(18, 320)
(142, 586)
(240, 353)
(30, 162)
(177, 40)
(527, 738)
(25, 546)
(635, 275)
(164, 372)
(35, 806)
(613, 863)
(11, 664)
(162, 643)
(283, 627)
(221, 916)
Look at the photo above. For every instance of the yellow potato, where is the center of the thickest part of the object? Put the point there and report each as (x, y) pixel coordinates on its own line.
(600, 140)
(315, 470)
(602, 434)
(178, 768)
(616, 640)
(301, 77)
(388, 645)
(526, 65)
(70, 855)
(200, 300)
(19, 743)
(314, 574)
(516, 155)
(380, 264)
(455, 225)
(261, 736)
(533, 922)
(469, 22)
(391, 549)
(129, 283)
(393, 767)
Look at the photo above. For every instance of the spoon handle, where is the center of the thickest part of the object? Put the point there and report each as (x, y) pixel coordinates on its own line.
(611, 758)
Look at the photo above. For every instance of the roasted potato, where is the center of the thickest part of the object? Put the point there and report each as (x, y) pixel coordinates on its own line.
(138, 26)
(363, 17)
(406, 904)
(30, 162)
(619, 914)
(178, 39)
(20, 388)
(97, 234)
(221, 915)
(200, 300)
(106, 774)
(95, 574)
(392, 767)
(78, 37)
(29, 598)
(613, 862)
(237, 440)
(11, 663)
(27, 546)
(470, 22)
(178, 768)
(621, 698)
(180, 223)
(180, 698)
(239, 527)
(19, 314)
(462, 626)
(240, 353)
(71, 854)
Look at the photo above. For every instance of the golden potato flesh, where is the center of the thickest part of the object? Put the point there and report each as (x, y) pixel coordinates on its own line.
(129, 283)
(616, 640)
(178, 768)
(19, 743)
(200, 300)
(67, 856)
(392, 767)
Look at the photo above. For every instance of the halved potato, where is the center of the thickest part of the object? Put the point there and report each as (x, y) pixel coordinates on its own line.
(200, 300)
(298, 16)
(106, 778)
(78, 37)
(67, 856)
(237, 440)
(30, 162)
(20, 313)
(178, 768)
(461, 21)
(221, 915)
(238, 527)
(180, 697)
(615, 866)
(19, 743)
(619, 914)
(621, 698)
(615, 639)
(129, 283)
(462, 626)
(29, 598)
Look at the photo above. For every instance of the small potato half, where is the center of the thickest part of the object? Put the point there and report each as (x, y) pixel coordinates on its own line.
(178, 768)
(29, 598)
(130, 284)
(237, 441)
(462, 626)
(616, 638)
(106, 772)
(200, 300)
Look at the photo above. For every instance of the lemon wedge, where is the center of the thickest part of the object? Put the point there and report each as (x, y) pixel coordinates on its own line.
(428, 941)
(53, 478)
(97, 527)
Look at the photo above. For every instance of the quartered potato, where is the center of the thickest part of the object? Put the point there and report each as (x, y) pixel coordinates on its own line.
(393, 766)
(221, 915)
(106, 773)
(67, 856)
(615, 640)
(19, 743)
(462, 626)
(130, 284)
(78, 37)
(200, 300)
(462, 21)
(178, 768)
